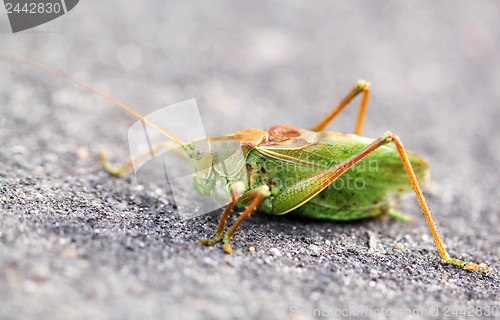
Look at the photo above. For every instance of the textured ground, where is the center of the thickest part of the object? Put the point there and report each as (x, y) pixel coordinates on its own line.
(75, 243)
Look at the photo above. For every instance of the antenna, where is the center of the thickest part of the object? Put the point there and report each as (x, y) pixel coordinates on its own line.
(86, 86)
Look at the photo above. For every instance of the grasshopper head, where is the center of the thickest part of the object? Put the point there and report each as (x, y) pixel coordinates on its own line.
(200, 162)
(215, 159)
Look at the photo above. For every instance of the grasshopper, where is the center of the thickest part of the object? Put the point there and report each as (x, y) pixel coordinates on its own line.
(305, 172)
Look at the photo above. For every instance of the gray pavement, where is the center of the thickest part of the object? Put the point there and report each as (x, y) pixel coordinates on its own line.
(78, 244)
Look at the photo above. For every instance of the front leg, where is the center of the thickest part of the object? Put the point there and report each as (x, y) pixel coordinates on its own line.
(253, 198)
(235, 191)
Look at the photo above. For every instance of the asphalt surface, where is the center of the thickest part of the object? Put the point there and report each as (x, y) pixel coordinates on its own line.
(78, 244)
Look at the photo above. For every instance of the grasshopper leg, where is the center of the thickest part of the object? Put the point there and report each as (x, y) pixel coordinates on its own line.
(396, 214)
(360, 87)
(389, 137)
(222, 223)
(310, 187)
(235, 191)
(255, 196)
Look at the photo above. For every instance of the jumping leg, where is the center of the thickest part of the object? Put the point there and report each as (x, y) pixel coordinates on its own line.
(304, 190)
(425, 209)
(361, 87)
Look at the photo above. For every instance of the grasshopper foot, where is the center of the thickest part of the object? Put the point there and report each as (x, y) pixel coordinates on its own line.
(469, 266)
(210, 242)
(226, 246)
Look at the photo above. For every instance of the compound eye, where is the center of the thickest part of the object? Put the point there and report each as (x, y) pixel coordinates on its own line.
(198, 153)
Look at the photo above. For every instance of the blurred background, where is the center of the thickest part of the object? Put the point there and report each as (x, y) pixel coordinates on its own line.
(435, 74)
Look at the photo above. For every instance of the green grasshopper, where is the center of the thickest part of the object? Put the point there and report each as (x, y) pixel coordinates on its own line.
(288, 169)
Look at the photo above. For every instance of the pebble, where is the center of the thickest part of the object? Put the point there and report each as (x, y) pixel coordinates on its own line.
(274, 252)
(82, 153)
(314, 250)
(373, 240)
(399, 246)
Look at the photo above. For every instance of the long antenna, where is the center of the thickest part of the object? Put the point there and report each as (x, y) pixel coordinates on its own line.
(62, 74)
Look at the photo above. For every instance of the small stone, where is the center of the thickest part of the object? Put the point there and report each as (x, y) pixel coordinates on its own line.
(274, 252)
(82, 153)
(399, 246)
(70, 253)
(373, 240)
(314, 250)
(251, 249)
